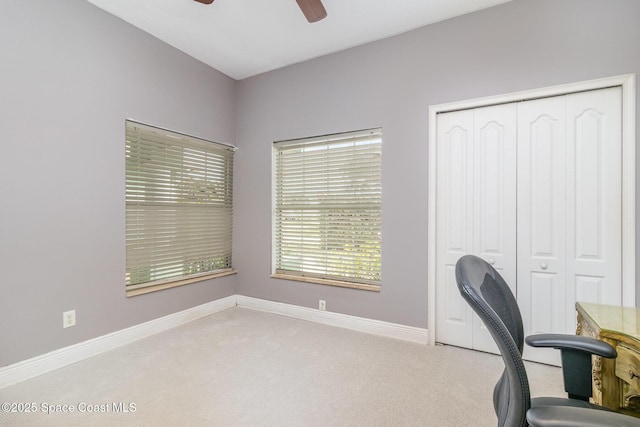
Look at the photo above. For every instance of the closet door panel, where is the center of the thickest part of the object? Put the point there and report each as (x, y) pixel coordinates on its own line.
(454, 235)
(495, 199)
(541, 228)
(594, 197)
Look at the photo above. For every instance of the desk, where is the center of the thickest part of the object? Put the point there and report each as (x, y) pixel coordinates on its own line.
(616, 382)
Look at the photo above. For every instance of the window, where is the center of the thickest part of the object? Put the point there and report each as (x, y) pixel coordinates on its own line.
(179, 208)
(327, 209)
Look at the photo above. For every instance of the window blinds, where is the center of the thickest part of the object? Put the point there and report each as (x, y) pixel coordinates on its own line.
(328, 198)
(178, 206)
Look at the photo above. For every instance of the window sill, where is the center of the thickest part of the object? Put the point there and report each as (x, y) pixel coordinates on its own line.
(328, 282)
(175, 284)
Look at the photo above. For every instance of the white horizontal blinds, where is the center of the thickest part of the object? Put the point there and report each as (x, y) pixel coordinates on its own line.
(179, 206)
(328, 197)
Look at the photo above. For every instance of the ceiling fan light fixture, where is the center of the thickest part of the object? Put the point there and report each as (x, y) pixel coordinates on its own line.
(205, 1)
(313, 10)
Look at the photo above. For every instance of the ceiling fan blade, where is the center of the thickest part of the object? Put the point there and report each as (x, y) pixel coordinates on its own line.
(205, 1)
(313, 9)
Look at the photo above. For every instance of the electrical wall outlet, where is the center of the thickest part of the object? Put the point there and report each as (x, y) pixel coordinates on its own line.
(322, 305)
(69, 319)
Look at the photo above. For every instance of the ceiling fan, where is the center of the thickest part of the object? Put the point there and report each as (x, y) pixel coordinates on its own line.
(313, 10)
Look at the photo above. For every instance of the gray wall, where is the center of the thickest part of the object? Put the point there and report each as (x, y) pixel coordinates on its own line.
(521, 45)
(69, 76)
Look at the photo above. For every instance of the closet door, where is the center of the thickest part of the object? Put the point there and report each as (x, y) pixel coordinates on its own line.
(494, 202)
(541, 220)
(476, 211)
(454, 216)
(569, 210)
(594, 197)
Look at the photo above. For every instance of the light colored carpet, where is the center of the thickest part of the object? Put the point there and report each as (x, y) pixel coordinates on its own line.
(242, 367)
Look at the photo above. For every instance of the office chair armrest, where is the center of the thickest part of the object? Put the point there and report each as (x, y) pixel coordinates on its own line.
(567, 416)
(576, 352)
(572, 342)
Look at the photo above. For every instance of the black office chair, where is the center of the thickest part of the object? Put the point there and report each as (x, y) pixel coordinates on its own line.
(490, 297)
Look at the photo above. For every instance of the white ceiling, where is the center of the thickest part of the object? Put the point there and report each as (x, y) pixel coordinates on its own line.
(242, 38)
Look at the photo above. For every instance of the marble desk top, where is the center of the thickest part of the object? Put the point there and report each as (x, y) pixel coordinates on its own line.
(613, 319)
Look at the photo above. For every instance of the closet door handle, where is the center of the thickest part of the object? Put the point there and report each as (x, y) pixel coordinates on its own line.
(544, 266)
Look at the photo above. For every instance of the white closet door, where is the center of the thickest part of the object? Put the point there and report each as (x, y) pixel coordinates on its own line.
(494, 200)
(594, 198)
(454, 217)
(476, 211)
(569, 210)
(541, 220)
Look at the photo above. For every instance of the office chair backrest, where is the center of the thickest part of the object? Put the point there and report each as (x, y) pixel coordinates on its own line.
(490, 297)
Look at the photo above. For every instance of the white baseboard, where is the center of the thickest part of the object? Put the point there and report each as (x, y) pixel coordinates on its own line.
(377, 327)
(56, 359)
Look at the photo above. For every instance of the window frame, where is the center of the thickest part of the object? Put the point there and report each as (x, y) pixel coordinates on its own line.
(375, 141)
